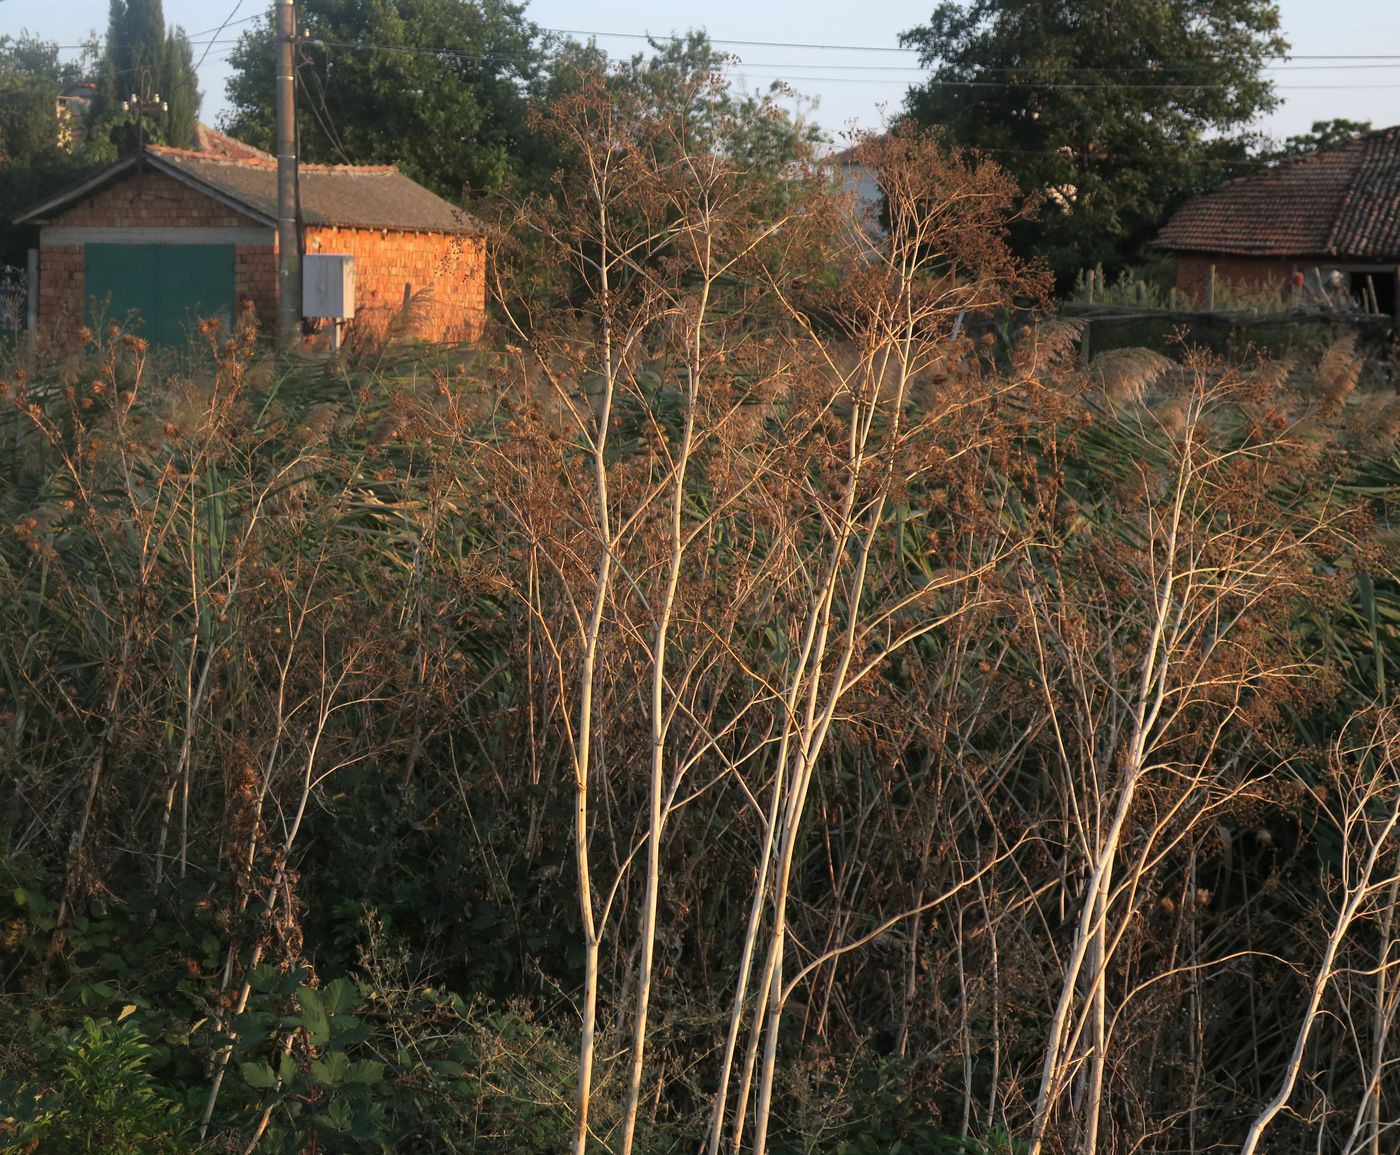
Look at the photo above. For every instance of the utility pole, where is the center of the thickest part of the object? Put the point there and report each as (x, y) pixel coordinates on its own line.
(288, 243)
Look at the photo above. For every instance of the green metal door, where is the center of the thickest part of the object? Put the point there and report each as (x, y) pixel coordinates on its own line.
(171, 287)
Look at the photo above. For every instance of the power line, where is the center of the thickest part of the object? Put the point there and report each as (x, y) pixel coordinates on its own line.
(716, 40)
(228, 23)
(1287, 61)
(326, 123)
(909, 68)
(802, 70)
(1106, 87)
(768, 72)
(887, 48)
(217, 33)
(442, 53)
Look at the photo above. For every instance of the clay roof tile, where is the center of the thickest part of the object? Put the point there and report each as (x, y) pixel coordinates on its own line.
(1341, 202)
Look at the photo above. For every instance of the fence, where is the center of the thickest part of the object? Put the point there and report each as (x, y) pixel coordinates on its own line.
(1229, 334)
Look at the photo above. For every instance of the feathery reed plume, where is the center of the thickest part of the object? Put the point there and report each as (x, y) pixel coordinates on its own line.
(1338, 372)
(1125, 375)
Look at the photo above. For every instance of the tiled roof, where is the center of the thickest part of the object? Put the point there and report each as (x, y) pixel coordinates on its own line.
(358, 196)
(349, 196)
(1342, 202)
(212, 142)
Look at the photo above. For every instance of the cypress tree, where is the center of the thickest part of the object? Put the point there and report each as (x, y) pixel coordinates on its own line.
(143, 58)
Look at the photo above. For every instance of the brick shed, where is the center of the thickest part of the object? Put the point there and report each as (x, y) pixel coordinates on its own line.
(181, 234)
(1336, 210)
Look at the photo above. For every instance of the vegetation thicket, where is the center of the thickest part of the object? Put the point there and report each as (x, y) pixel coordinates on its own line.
(775, 697)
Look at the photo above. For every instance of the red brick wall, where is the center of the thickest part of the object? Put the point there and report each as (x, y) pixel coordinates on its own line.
(62, 284)
(255, 281)
(1193, 271)
(150, 199)
(60, 287)
(449, 271)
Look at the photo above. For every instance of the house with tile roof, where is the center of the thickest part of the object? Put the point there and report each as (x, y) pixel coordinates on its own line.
(172, 236)
(1333, 214)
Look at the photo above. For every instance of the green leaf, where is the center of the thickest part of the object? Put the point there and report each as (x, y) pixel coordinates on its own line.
(366, 1071)
(258, 1075)
(331, 1069)
(336, 1116)
(313, 1016)
(1368, 604)
(340, 996)
(263, 979)
(347, 1029)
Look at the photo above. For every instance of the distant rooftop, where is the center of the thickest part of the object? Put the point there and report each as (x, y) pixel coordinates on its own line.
(1340, 202)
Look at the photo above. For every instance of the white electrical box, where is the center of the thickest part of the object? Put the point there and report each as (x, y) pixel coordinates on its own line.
(328, 285)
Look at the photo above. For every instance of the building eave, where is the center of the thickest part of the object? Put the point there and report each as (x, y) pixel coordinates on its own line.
(41, 213)
(73, 193)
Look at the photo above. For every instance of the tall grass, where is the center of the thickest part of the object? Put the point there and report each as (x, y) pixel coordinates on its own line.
(979, 745)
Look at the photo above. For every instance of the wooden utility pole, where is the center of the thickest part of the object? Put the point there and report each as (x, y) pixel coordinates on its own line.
(288, 243)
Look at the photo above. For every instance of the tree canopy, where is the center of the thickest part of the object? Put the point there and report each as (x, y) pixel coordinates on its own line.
(1114, 111)
(445, 90)
(31, 79)
(437, 87)
(1324, 134)
(32, 160)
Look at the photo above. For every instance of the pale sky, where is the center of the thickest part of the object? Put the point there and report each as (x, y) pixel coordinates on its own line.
(1342, 66)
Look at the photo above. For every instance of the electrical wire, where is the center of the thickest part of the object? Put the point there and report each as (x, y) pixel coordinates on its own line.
(229, 23)
(828, 72)
(445, 54)
(1347, 62)
(327, 124)
(218, 33)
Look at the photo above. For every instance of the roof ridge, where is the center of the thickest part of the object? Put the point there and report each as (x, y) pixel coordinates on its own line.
(264, 161)
(355, 168)
(1284, 164)
(348, 196)
(1377, 159)
(203, 154)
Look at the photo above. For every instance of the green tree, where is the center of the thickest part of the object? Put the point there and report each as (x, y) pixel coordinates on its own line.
(1115, 111)
(1324, 134)
(751, 129)
(438, 87)
(33, 162)
(145, 59)
(181, 94)
(31, 79)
